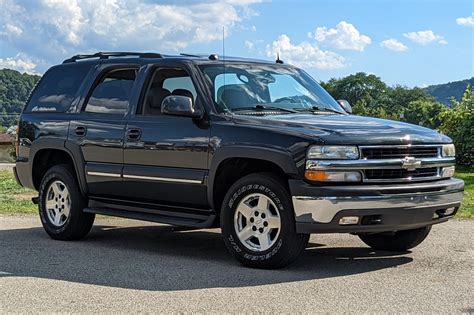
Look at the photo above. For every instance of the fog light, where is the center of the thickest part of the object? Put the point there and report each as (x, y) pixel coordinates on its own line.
(447, 172)
(449, 211)
(348, 220)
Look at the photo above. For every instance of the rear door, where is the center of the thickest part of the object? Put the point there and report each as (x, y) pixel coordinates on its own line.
(99, 129)
(165, 157)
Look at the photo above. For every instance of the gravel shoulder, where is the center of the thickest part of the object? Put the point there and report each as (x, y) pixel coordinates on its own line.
(132, 266)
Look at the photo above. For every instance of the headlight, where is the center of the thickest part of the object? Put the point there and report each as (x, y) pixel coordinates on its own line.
(332, 152)
(449, 150)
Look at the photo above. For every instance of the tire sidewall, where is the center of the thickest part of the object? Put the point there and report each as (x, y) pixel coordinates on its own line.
(63, 174)
(280, 198)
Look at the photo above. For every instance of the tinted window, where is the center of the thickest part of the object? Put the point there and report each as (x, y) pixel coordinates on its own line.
(172, 84)
(166, 82)
(58, 88)
(112, 94)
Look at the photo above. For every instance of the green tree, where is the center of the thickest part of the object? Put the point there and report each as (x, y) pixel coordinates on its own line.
(367, 89)
(423, 112)
(14, 91)
(458, 123)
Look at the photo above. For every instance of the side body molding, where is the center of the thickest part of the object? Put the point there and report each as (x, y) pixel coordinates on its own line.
(281, 158)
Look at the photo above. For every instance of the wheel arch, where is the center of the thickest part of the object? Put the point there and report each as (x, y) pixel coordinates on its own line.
(248, 160)
(49, 152)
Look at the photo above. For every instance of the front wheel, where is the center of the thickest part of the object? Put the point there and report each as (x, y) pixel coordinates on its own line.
(258, 223)
(398, 241)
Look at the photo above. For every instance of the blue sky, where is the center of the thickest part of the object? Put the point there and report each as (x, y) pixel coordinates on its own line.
(413, 43)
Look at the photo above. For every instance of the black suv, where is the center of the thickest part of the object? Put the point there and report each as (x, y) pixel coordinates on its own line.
(256, 148)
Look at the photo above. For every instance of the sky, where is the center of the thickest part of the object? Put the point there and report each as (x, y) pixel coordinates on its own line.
(411, 43)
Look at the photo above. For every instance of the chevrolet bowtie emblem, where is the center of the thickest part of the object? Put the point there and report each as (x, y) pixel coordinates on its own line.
(410, 163)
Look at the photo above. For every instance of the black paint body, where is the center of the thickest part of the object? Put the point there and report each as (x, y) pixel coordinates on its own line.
(184, 148)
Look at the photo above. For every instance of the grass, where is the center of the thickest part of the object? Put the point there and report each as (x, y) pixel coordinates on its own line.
(467, 208)
(16, 200)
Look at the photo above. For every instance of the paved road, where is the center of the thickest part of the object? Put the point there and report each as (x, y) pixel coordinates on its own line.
(133, 266)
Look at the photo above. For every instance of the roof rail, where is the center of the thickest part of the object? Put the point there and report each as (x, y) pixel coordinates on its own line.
(106, 55)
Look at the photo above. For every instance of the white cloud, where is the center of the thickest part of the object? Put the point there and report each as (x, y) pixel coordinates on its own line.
(304, 55)
(20, 62)
(394, 45)
(249, 45)
(344, 36)
(54, 29)
(425, 37)
(466, 21)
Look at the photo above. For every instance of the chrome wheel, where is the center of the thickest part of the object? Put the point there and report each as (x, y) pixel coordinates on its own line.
(58, 203)
(257, 222)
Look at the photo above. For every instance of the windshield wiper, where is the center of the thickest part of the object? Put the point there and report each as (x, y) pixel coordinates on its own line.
(261, 107)
(316, 108)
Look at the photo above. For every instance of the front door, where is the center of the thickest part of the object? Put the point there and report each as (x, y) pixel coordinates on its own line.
(165, 157)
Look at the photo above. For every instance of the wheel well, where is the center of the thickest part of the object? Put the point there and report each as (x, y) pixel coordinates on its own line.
(47, 158)
(231, 170)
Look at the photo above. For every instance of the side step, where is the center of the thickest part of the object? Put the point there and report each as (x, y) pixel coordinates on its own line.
(197, 221)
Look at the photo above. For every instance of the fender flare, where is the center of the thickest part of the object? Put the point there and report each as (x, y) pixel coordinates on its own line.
(282, 159)
(72, 150)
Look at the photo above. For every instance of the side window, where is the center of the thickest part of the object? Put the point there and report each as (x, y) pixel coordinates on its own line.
(111, 95)
(166, 82)
(58, 88)
(172, 84)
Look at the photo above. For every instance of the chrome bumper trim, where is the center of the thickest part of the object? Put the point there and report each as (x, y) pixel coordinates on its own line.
(324, 209)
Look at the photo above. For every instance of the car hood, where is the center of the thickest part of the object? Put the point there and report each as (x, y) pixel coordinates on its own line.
(346, 129)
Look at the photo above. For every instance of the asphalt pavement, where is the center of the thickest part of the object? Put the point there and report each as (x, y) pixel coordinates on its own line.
(132, 266)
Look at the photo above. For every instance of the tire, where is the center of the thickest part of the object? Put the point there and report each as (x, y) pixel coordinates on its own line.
(61, 205)
(249, 203)
(399, 241)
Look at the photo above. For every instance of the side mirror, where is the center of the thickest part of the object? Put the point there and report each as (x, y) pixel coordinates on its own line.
(179, 105)
(345, 106)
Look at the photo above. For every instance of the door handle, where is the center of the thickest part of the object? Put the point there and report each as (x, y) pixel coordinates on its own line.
(133, 134)
(80, 131)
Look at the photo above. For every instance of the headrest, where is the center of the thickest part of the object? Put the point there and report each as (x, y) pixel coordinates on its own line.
(183, 92)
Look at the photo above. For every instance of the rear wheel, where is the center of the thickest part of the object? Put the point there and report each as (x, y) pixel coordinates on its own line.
(258, 223)
(397, 241)
(61, 205)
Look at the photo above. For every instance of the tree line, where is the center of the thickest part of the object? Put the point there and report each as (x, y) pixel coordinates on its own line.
(367, 93)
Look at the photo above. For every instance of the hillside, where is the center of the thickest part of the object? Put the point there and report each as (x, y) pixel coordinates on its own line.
(14, 90)
(444, 92)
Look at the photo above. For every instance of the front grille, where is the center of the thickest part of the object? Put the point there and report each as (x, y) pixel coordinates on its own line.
(389, 174)
(372, 153)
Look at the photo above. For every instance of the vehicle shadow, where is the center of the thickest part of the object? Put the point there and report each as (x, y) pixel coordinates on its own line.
(166, 258)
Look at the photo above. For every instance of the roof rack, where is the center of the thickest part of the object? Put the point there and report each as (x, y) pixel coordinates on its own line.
(106, 55)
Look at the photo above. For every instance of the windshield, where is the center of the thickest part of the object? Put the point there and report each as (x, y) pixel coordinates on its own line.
(244, 87)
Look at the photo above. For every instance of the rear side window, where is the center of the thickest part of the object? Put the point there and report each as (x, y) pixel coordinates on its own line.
(58, 88)
(111, 95)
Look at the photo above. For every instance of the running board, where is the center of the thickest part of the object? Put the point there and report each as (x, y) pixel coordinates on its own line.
(197, 221)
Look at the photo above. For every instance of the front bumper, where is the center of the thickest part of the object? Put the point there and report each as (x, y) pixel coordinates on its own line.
(379, 208)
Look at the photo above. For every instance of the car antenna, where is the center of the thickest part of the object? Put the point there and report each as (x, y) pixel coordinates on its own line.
(278, 60)
(223, 62)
